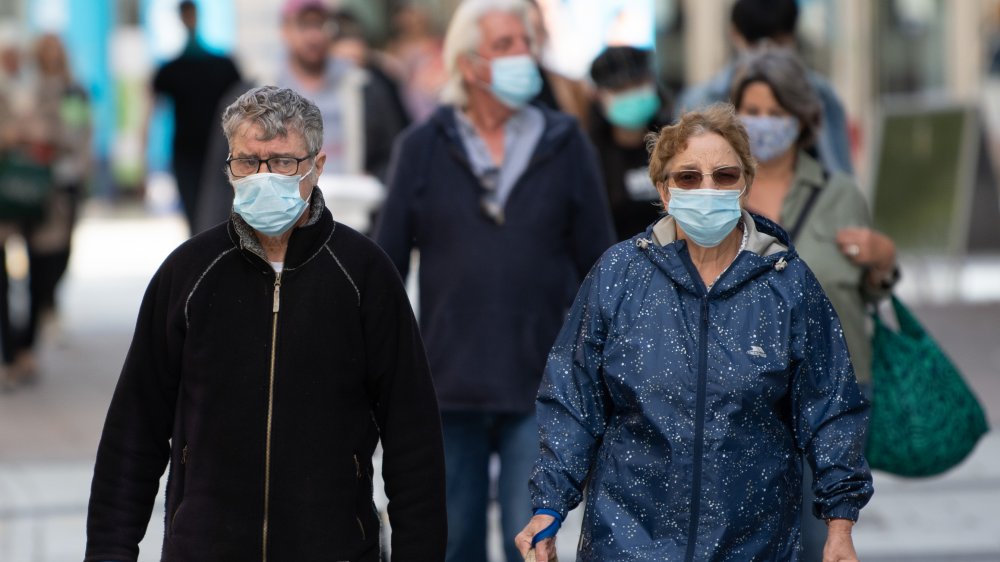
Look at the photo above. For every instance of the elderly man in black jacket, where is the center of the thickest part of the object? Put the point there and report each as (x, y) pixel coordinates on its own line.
(270, 355)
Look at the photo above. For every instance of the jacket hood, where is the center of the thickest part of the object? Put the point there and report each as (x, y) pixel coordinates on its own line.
(767, 248)
(559, 129)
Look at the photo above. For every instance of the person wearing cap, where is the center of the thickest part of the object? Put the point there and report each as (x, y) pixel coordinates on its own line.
(361, 117)
(271, 354)
(629, 104)
(504, 203)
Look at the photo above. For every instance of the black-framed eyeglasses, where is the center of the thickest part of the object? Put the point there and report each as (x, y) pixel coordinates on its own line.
(284, 165)
(726, 176)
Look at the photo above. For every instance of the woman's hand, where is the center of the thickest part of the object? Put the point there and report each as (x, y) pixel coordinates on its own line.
(839, 544)
(545, 550)
(869, 249)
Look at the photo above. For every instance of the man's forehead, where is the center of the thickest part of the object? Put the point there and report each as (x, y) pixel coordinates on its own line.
(250, 136)
(497, 23)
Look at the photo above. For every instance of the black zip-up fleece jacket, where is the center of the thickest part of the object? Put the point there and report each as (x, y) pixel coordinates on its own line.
(268, 394)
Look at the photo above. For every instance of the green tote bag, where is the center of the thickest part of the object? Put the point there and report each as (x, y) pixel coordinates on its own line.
(925, 419)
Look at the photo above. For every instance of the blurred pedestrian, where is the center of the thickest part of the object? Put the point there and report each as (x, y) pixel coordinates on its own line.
(194, 81)
(629, 104)
(53, 127)
(270, 356)
(825, 213)
(350, 42)
(770, 23)
(504, 203)
(415, 48)
(695, 365)
(360, 117)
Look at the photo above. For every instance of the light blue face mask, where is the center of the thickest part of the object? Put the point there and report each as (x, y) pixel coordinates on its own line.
(270, 203)
(632, 109)
(515, 80)
(770, 136)
(707, 216)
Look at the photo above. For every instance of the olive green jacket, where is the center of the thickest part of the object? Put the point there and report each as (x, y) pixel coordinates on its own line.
(839, 204)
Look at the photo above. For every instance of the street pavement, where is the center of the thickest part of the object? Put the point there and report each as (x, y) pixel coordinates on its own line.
(49, 432)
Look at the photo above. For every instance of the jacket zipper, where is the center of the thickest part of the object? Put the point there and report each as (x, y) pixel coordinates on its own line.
(699, 430)
(270, 411)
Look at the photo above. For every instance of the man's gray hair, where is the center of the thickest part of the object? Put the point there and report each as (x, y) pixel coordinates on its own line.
(463, 37)
(276, 112)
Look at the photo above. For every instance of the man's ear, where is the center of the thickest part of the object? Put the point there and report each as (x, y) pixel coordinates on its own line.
(467, 67)
(319, 163)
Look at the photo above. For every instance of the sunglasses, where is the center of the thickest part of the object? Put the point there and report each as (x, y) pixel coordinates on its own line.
(726, 176)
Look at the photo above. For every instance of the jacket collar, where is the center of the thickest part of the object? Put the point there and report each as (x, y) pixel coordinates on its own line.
(558, 129)
(767, 248)
(808, 171)
(305, 242)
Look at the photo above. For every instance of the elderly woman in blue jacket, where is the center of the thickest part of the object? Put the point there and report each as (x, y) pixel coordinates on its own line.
(700, 359)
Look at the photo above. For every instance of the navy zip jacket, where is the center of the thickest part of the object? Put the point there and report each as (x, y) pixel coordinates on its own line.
(492, 296)
(688, 408)
(268, 400)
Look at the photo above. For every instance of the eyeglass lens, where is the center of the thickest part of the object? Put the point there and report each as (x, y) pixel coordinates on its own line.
(277, 165)
(727, 176)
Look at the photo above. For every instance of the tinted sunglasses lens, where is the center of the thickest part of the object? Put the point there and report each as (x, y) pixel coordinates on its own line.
(726, 177)
(687, 179)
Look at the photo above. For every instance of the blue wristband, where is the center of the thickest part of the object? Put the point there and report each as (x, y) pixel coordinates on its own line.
(549, 531)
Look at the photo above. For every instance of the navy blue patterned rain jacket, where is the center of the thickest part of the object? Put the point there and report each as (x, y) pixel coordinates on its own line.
(684, 410)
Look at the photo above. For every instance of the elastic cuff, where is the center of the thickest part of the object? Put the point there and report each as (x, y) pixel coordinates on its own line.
(549, 531)
(841, 512)
(547, 511)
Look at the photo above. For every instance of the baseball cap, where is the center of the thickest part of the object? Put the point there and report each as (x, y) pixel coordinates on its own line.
(296, 7)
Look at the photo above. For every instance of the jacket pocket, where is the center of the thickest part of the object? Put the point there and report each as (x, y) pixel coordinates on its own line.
(177, 488)
(366, 516)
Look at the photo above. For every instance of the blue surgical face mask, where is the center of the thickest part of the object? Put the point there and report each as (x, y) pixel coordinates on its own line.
(770, 136)
(515, 80)
(270, 203)
(632, 109)
(707, 216)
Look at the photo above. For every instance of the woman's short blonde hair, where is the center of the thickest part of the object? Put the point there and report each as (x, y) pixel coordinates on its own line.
(720, 119)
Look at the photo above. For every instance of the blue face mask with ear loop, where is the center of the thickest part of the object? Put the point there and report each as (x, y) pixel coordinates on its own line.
(270, 203)
(707, 216)
(633, 108)
(514, 80)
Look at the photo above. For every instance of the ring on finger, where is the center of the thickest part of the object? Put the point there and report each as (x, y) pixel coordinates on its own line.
(853, 250)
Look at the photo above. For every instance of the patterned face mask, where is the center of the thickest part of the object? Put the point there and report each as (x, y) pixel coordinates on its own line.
(770, 137)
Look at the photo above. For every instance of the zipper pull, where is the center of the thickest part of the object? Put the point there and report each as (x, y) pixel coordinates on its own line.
(184, 455)
(277, 292)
